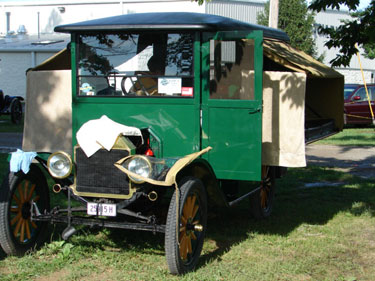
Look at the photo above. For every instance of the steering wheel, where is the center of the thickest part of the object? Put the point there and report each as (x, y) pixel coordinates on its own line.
(134, 86)
(141, 85)
(137, 86)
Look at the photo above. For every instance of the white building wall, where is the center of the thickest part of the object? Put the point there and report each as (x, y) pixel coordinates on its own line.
(246, 11)
(12, 77)
(332, 18)
(56, 12)
(52, 13)
(13, 68)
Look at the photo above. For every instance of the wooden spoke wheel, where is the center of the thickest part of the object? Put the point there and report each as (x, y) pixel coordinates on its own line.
(262, 200)
(18, 233)
(184, 239)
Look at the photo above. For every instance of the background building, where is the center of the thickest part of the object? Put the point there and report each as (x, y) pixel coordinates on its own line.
(27, 38)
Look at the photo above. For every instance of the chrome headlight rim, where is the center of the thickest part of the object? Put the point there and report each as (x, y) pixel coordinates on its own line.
(134, 158)
(69, 160)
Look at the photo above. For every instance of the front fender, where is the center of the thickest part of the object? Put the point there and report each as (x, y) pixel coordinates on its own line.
(170, 178)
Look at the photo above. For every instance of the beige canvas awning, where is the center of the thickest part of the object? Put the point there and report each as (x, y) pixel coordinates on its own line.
(296, 60)
(59, 61)
(324, 85)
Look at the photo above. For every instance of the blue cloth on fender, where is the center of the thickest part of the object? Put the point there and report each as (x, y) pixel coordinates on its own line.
(21, 160)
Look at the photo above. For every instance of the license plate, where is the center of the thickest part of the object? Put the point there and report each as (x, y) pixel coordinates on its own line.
(99, 209)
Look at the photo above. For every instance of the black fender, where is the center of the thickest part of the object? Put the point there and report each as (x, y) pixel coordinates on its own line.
(41, 159)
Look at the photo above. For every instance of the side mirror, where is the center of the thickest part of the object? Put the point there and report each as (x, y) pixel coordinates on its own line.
(357, 98)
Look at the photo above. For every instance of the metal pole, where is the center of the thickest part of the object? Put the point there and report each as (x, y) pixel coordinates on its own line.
(8, 22)
(274, 13)
(364, 83)
(38, 25)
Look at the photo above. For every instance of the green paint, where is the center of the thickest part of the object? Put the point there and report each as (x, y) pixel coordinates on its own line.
(229, 126)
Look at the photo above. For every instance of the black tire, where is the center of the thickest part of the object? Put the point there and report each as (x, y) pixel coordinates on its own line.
(181, 257)
(18, 234)
(262, 200)
(16, 111)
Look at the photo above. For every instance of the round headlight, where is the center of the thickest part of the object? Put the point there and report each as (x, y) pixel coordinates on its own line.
(139, 165)
(60, 164)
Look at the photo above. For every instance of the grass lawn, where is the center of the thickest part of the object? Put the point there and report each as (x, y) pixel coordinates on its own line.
(324, 233)
(321, 233)
(352, 137)
(6, 125)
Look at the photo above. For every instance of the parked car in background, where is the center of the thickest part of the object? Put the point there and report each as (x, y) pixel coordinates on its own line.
(357, 106)
(11, 105)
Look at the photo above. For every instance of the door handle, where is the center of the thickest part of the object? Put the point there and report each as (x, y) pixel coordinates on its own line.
(254, 110)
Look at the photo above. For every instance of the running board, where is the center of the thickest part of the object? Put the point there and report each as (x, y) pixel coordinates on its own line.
(235, 201)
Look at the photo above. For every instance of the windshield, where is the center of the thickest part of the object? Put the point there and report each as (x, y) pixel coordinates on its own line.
(144, 64)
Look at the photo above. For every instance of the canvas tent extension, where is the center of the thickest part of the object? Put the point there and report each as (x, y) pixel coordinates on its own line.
(324, 98)
(300, 95)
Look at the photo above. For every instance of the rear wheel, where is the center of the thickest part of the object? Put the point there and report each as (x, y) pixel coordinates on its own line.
(184, 240)
(262, 200)
(18, 233)
(16, 111)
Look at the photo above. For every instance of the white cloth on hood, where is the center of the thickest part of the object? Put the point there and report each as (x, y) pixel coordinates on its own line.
(98, 133)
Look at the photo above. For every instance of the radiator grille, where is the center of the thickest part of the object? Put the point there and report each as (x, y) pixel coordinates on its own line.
(98, 174)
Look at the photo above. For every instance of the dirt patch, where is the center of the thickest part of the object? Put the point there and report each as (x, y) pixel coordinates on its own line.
(359, 161)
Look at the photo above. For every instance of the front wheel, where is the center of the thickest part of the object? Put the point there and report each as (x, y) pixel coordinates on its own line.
(184, 238)
(262, 200)
(18, 233)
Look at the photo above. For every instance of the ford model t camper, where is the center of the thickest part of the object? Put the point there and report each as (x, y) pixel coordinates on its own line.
(163, 109)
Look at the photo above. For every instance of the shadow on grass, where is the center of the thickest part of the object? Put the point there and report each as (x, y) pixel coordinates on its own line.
(294, 205)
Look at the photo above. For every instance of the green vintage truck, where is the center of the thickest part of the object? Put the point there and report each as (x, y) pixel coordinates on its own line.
(163, 111)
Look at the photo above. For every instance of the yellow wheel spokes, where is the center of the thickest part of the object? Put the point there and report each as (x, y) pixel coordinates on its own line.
(30, 193)
(17, 229)
(16, 218)
(25, 190)
(28, 234)
(23, 195)
(189, 212)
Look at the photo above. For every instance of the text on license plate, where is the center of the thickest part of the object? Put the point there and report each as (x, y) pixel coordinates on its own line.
(101, 209)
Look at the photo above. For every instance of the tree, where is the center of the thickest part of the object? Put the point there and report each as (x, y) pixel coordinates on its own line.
(296, 21)
(360, 30)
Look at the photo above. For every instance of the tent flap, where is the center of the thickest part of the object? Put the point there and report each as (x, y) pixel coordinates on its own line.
(284, 54)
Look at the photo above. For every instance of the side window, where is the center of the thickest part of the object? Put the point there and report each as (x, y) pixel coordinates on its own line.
(360, 95)
(232, 69)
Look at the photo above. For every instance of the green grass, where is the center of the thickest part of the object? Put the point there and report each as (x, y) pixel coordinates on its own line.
(324, 233)
(352, 137)
(6, 125)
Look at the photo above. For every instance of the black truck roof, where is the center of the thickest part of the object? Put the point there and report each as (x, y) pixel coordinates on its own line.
(169, 21)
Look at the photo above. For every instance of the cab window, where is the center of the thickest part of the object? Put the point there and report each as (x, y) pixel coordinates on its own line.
(232, 69)
(136, 65)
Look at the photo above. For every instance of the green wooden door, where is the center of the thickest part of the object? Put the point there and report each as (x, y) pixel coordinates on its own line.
(232, 103)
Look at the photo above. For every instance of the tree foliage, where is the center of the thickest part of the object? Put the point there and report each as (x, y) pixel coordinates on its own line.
(296, 21)
(360, 30)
